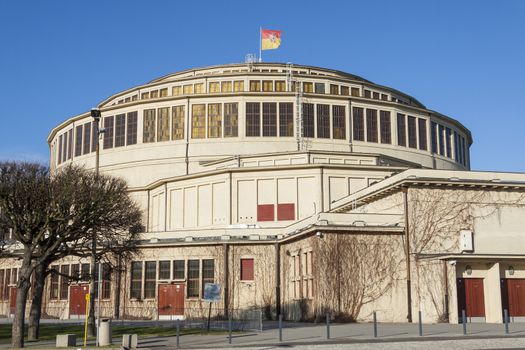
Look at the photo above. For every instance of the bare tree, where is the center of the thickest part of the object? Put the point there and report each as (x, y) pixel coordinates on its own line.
(51, 217)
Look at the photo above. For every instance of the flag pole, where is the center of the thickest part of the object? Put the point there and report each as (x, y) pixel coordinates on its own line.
(260, 44)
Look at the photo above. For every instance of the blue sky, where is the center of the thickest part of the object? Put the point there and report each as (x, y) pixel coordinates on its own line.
(465, 59)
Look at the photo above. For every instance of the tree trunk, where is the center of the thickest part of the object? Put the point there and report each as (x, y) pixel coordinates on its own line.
(23, 285)
(35, 313)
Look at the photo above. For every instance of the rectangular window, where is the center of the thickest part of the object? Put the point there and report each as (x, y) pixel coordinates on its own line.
(199, 88)
(193, 279)
(231, 119)
(280, 86)
(463, 151)
(178, 269)
(87, 138)
(375, 95)
(448, 135)
(247, 270)
(84, 271)
(120, 130)
(339, 122)
(358, 124)
(59, 151)
(198, 121)
(163, 124)
(253, 119)
(188, 89)
(401, 130)
(64, 150)
(285, 211)
(108, 133)
(75, 272)
(226, 86)
(2, 286)
(441, 131)
(214, 87)
(456, 147)
(208, 272)
(238, 85)
(53, 292)
(356, 92)
(131, 137)
(286, 119)
(164, 270)
(368, 93)
(214, 120)
(163, 92)
(345, 90)
(64, 281)
(308, 120)
(148, 134)
(255, 85)
(308, 87)
(176, 90)
(78, 141)
(70, 143)
(319, 88)
(334, 89)
(136, 280)
(422, 126)
(269, 121)
(144, 96)
(106, 281)
(177, 123)
(385, 126)
(150, 279)
(371, 125)
(8, 282)
(323, 121)
(154, 94)
(267, 85)
(433, 137)
(384, 97)
(412, 132)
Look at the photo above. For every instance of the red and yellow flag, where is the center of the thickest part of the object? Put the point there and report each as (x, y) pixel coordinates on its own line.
(270, 39)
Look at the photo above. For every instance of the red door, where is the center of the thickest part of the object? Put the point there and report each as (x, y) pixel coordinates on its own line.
(12, 300)
(474, 297)
(516, 297)
(77, 300)
(171, 299)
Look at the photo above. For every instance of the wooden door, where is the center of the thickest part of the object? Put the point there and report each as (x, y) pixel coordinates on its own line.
(474, 297)
(12, 300)
(171, 299)
(516, 297)
(77, 299)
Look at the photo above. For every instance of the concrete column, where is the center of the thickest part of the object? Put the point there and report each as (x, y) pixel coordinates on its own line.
(493, 295)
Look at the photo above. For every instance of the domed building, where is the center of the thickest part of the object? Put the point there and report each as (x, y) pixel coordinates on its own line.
(299, 190)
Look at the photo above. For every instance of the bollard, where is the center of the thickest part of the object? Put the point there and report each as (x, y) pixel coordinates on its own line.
(506, 320)
(280, 328)
(464, 320)
(178, 333)
(327, 326)
(230, 329)
(375, 325)
(420, 324)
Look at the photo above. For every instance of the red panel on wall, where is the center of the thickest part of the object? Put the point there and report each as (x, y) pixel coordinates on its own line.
(247, 270)
(285, 211)
(265, 212)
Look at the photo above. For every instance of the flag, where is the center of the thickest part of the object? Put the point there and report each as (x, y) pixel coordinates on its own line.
(270, 39)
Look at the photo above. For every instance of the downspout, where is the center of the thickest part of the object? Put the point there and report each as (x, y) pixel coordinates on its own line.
(407, 252)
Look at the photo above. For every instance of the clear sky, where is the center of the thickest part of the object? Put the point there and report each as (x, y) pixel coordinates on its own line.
(465, 59)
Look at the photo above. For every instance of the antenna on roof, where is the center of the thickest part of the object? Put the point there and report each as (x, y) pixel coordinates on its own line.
(250, 58)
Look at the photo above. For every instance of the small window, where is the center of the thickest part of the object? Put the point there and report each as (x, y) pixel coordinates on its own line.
(64, 281)
(53, 294)
(154, 94)
(199, 88)
(376, 96)
(164, 270)
(334, 89)
(136, 280)
(176, 90)
(319, 88)
(226, 86)
(144, 96)
(255, 85)
(164, 92)
(238, 85)
(214, 87)
(188, 89)
(308, 87)
(368, 93)
(208, 272)
(193, 279)
(356, 92)
(384, 97)
(178, 269)
(267, 85)
(280, 85)
(247, 270)
(150, 279)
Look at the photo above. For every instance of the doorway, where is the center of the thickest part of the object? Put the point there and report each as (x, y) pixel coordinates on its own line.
(77, 301)
(171, 301)
(471, 298)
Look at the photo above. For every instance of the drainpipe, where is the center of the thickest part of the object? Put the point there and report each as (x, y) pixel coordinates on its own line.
(407, 252)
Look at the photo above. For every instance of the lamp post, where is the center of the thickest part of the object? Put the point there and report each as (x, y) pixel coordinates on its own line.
(96, 115)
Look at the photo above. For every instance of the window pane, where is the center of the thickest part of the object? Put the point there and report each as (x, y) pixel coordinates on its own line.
(164, 270)
(441, 130)
(339, 122)
(208, 272)
(267, 85)
(188, 89)
(193, 279)
(144, 96)
(371, 125)
(358, 124)
(163, 92)
(150, 279)
(308, 120)
(214, 120)
(356, 92)
(136, 280)
(384, 125)
(64, 281)
(238, 85)
(214, 87)
(198, 121)
(422, 125)
(78, 141)
(176, 90)
(149, 126)
(70, 144)
(448, 143)
(154, 94)
(199, 88)
(412, 133)
(253, 119)
(178, 269)
(334, 89)
(177, 123)
(286, 119)
(308, 87)
(53, 293)
(280, 86)
(368, 93)
(255, 85)
(226, 86)
(108, 133)
(433, 136)
(345, 90)
(87, 137)
(319, 88)
(323, 121)
(163, 124)
(269, 119)
(401, 130)
(120, 130)
(132, 129)
(231, 119)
